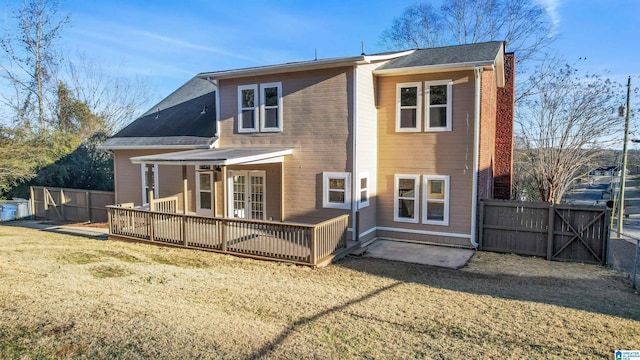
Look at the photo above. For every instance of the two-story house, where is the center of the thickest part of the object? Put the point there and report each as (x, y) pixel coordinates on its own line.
(404, 143)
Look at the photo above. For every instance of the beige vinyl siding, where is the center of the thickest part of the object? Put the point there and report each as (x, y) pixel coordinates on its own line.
(129, 179)
(428, 153)
(367, 144)
(317, 112)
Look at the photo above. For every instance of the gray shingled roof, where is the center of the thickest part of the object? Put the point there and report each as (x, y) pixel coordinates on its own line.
(177, 120)
(470, 53)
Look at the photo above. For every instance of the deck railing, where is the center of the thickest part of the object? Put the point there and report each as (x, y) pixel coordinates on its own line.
(167, 204)
(299, 243)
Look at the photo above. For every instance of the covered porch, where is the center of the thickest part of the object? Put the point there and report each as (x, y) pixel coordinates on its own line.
(232, 215)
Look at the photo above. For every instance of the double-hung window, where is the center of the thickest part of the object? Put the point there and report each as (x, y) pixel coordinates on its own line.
(260, 107)
(247, 108)
(437, 98)
(406, 195)
(408, 107)
(336, 193)
(271, 107)
(438, 103)
(435, 204)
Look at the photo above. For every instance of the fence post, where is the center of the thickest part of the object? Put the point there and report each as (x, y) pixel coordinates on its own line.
(62, 201)
(480, 225)
(552, 216)
(46, 203)
(109, 221)
(32, 203)
(87, 200)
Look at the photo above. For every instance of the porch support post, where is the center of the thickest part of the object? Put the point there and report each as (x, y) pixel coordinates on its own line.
(282, 191)
(225, 210)
(184, 189)
(151, 185)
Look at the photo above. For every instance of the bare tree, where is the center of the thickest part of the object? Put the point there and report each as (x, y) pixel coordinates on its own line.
(419, 26)
(563, 124)
(31, 56)
(113, 98)
(525, 25)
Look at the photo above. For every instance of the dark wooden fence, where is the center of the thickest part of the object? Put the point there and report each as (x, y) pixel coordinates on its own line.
(70, 204)
(556, 232)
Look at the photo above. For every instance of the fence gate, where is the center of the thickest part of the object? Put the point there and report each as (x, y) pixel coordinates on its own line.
(557, 232)
(70, 204)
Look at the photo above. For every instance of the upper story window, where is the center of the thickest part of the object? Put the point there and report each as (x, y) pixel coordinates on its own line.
(438, 100)
(260, 111)
(437, 109)
(271, 107)
(408, 109)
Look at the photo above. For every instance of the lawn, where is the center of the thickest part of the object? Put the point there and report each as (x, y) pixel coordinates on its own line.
(63, 296)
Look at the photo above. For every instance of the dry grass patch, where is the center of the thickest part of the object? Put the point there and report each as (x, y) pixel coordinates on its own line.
(70, 297)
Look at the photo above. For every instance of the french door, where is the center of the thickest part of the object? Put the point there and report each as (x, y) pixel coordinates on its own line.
(247, 195)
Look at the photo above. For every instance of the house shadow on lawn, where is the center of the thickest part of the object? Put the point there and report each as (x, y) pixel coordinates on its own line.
(608, 294)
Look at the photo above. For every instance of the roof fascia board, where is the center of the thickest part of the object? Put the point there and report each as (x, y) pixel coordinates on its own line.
(155, 147)
(283, 68)
(433, 68)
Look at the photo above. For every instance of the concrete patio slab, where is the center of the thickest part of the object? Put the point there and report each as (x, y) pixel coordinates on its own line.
(449, 257)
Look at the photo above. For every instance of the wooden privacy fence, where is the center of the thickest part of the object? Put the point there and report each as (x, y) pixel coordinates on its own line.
(70, 204)
(300, 243)
(556, 232)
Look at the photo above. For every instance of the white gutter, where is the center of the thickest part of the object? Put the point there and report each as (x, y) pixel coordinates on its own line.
(356, 176)
(476, 155)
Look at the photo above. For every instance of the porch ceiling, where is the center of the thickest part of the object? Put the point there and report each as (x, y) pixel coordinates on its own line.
(229, 156)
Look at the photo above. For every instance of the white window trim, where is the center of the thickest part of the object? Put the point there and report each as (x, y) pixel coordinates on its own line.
(143, 170)
(363, 204)
(427, 88)
(416, 198)
(263, 127)
(418, 107)
(256, 106)
(326, 176)
(446, 200)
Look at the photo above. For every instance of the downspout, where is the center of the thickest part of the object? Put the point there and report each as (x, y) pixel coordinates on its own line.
(355, 178)
(476, 155)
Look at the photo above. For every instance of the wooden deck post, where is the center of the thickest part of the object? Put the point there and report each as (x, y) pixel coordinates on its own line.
(552, 216)
(225, 210)
(151, 185)
(314, 247)
(282, 189)
(184, 189)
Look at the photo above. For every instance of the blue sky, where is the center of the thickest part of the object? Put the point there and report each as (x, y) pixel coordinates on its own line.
(170, 41)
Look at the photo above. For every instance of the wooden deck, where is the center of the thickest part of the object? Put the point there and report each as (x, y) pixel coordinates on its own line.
(307, 244)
